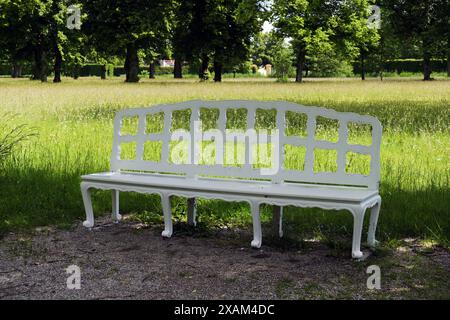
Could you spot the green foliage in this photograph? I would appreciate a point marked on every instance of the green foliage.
(319, 27)
(226, 34)
(130, 21)
(425, 23)
(110, 70)
(222, 30)
(282, 63)
(329, 65)
(264, 47)
(5, 69)
(139, 28)
(402, 66)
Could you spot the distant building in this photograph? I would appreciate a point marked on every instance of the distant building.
(167, 63)
(265, 70)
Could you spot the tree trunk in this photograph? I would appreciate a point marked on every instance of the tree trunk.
(57, 66)
(448, 63)
(448, 56)
(426, 44)
(299, 66)
(103, 72)
(151, 70)
(426, 66)
(40, 64)
(363, 66)
(76, 71)
(217, 71)
(35, 71)
(16, 70)
(203, 71)
(132, 64)
(381, 62)
(126, 64)
(178, 70)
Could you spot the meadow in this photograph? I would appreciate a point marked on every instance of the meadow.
(39, 180)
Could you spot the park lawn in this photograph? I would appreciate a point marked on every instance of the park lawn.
(39, 182)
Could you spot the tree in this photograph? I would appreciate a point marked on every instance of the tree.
(115, 27)
(181, 35)
(282, 61)
(37, 28)
(233, 25)
(426, 21)
(220, 30)
(198, 35)
(63, 42)
(303, 23)
(351, 33)
(26, 30)
(13, 35)
(264, 47)
(316, 26)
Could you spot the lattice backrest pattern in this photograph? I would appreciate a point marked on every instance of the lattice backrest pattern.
(307, 144)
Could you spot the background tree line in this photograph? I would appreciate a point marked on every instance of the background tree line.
(221, 35)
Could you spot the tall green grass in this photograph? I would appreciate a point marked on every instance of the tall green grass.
(39, 181)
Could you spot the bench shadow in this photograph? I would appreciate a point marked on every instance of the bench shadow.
(31, 198)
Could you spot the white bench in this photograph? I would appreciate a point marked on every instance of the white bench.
(279, 186)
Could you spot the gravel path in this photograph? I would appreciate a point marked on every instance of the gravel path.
(128, 261)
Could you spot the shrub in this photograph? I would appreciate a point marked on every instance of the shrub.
(401, 65)
(329, 65)
(110, 70)
(282, 62)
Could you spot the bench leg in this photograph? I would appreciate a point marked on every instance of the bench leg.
(374, 212)
(358, 220)
(257, 235)
(86, 193)
(115, 206)
(192, 212)
(165, 200)
(277, 220)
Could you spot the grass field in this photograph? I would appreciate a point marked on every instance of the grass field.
(39, 182)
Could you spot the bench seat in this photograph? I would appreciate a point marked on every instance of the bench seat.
(240, 188)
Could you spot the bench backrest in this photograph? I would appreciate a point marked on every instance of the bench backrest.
(299, 130)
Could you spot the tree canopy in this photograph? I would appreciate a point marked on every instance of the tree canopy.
(218, 35)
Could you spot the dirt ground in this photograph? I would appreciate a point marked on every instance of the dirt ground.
(132, 261)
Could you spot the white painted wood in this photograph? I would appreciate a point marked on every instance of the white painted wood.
(235, 186)
(86, 193)
(257, 234)
(277, 220)
(167, 211)
(328, 190)
(339, 178)
(115, 206)
(373, 223)
(358, 220)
